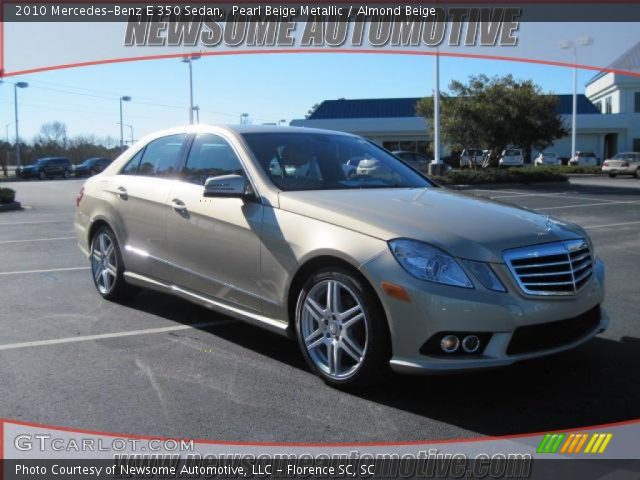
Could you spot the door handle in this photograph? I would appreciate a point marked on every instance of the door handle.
(178, 205)
(122, 192)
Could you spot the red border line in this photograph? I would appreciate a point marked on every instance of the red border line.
(323, 50)
(312, 444)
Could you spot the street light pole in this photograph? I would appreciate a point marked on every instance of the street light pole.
(124, 98)
(190, 60)
(566, 45)
(16, 86)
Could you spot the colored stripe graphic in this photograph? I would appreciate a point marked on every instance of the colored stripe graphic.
(550, 443)
(573, 443)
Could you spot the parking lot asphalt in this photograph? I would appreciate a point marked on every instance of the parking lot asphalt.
(160, 366)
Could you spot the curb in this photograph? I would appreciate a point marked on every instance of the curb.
(6, 207)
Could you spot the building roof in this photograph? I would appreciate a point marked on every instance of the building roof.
(629, 60)
(406, 107)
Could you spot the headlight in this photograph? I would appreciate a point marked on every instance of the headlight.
(429, 263)
(486, 275)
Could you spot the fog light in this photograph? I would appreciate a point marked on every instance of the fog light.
(471, 344)
(449, 343)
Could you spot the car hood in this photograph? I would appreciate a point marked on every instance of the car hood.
(462, 225)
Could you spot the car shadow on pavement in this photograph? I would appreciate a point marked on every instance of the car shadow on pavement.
(593, 384)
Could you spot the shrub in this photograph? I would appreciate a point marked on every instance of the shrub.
(506, 175)
(7, 195)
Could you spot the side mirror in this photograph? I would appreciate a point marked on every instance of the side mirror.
(226, 186)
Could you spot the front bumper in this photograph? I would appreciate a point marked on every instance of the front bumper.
(435, 309)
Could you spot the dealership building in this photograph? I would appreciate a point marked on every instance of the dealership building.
(608, 116)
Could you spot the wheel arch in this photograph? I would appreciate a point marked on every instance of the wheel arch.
(317, 263)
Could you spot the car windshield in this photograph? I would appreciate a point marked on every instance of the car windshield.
(624, 156)
(315, 161)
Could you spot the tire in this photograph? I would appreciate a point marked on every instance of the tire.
(612, 175)
(42, 175)
(360, 340)
(111, 285)
(637, 173)
(66, 174)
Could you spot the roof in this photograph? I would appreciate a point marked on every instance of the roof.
(629, 60)
(406, 107)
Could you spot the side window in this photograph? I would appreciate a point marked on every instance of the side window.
(210, 156)
(160, 157)
(131, 168)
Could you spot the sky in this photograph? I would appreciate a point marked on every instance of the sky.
(267, 87)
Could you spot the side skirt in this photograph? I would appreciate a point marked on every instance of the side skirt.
(277, 326)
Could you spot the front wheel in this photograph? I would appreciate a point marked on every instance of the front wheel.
(107, 267)
(341, 329)
(66, 174)
(42, 175)
(612, 175)
(637, 173)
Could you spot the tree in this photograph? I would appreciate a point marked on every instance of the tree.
(312, 110)
(495, 113)
(53, 133)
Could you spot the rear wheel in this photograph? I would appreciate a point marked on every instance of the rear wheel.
(107, 267)
(66, 174)
(42, 175)
(342, 329)
(637, 173)
(612, 175)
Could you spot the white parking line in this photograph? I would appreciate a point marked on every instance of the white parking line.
(35, 222)
(553, 195)
(49, 270)
(612, 225)
(610, 202)
(36, 240)
(86, 338)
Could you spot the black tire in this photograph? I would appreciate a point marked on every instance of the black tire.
(637, 173)
(374, 363)
(66, 174)
(612, 175)
(42, 175)
(120, 289)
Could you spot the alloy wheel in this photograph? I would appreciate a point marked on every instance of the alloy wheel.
(334, 329)
(104, 263)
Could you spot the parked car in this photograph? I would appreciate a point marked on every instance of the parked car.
(585, 159)
(47, 167)
(471, 157)
(90, 167)
(627, 163)
(547, 159)
(511, 157)
(377, 271)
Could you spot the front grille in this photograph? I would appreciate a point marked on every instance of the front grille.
(536, 338)
(561, 268)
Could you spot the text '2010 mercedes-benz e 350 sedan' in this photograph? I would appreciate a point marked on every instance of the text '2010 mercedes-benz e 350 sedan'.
(368, 270)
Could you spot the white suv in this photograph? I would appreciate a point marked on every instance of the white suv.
(511, 158)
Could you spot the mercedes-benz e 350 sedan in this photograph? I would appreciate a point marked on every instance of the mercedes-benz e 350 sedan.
(367, 271)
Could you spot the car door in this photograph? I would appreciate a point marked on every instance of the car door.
(49, 167)
(138, 195)
(215, 242)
